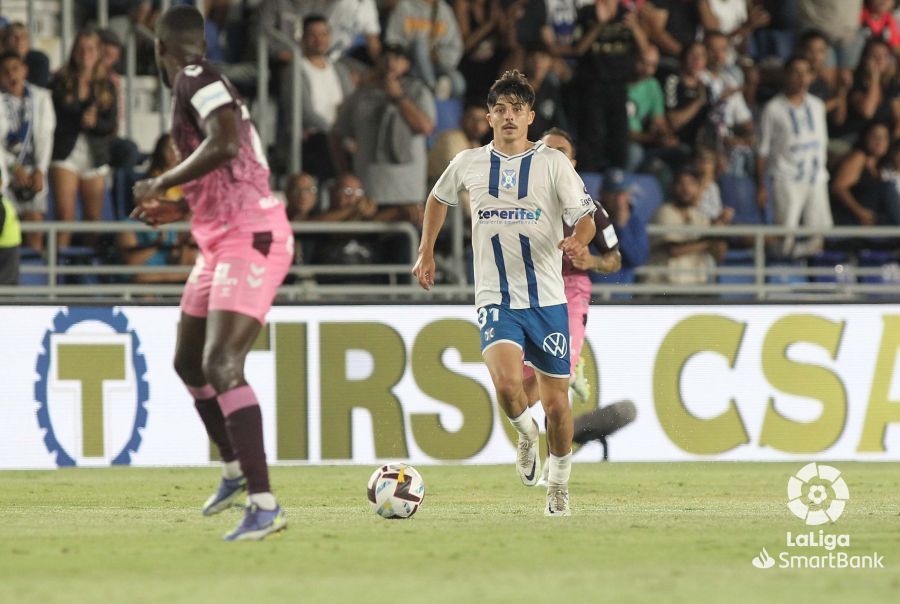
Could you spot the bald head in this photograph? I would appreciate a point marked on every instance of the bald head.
(181, 25)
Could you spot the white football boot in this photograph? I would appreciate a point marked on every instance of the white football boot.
(557, 501)
(528, 462)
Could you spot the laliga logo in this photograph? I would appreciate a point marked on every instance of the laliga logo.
(809, 498)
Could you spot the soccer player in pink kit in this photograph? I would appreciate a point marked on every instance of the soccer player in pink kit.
(246, 247)
(575, 275)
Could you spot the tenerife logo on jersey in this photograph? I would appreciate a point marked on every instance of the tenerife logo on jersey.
(515, 215)
(508, 178)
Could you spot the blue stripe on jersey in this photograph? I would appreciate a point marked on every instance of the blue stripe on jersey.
(794, 123)
(501, 268)
(815, 170)
(494, 180)
(530, 276)
(524, 167)
(809, 119)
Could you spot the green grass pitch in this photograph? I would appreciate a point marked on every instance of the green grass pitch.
(656, 533)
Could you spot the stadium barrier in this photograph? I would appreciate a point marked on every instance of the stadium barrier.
(93, 386)
(873, 274)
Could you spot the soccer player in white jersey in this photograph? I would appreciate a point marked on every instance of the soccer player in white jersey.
(792, 152)
(521, 194)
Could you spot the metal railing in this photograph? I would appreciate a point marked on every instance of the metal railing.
(764, 279)
(295, 159)
(304, 288)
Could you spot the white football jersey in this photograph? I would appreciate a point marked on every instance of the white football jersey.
(795, 139)
(519, 204)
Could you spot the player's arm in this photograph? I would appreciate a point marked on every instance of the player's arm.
(435, 214)
(576, 243)
(220, 145)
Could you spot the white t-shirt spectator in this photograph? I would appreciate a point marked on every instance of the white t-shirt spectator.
(326, 94)
(795, 139)
(351, 20)
(731, 14)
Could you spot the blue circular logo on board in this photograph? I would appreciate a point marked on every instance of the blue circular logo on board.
(91, 357)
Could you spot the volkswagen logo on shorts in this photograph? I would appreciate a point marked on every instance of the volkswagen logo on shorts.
(556, 344)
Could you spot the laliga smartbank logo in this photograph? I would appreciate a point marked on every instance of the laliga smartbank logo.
(817, 494)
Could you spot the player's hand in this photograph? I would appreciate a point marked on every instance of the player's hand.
(148, 188)
(21, 177)
(583, 260)
(424, 270)
(89, 117)
(37, 181)
(155, 212)
(572, 247)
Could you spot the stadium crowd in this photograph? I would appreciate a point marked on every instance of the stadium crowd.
(682, 112)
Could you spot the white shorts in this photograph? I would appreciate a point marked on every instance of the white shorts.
(80, 161)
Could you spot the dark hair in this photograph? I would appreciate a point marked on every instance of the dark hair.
(512, 84)
(312, 20)
(556, 131)
(794, 59)
(101, 87)
(682, 59)
(713, 34)
(809, 35)
(180, 20)
(6, 56)
(688, 171)
(158, 159)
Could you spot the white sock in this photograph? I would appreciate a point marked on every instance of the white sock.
(265, 501)
(524, 424)
(231, 469)
(560, 469)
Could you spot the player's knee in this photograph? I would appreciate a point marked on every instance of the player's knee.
(188, 370)
(223, 371)
(508, 388)
(557, 409)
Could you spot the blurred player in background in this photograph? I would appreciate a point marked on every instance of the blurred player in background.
(521, 194)
(246, 247)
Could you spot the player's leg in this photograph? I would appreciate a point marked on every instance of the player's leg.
(64, 182)
(817, 214)
(578, 297)
(229, 337)
(555, 399)
(189, 367)
(789, 202)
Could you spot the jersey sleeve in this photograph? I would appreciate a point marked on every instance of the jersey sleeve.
(766, 128)
(202, 92)
(573, 196)
(446, 190)
(605, 238)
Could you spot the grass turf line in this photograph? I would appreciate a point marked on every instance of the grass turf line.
(639, 533)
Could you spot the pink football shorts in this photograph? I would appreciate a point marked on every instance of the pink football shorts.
(578, 301)
(240, 271)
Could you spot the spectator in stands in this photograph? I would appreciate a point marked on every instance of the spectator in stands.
(839, 20)
(874, 95)
(735, 19)
(792, 153)
(28, 144)
(483, 25)
(878, 22)
(730, 128)
(648, 128)
(634, 244)
(472, 128)
(352, 21)
(608, 49)
(687, 258)
(687, 98)
(86, 113)
(710, 196)
(671, 25)
(427, 29)
(859, 195)
(325, 86)
(548, 102)
(891, 175)
(17, 39)
(347, 202)
(385, 123)
(229, 43)
(10, 240)
(301, 196)
(830, 85)
(158, 248)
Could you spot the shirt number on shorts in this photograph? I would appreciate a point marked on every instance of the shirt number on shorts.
(483, 315)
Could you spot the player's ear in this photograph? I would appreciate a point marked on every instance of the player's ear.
(530, 117)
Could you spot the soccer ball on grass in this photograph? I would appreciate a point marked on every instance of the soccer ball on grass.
(395, 491)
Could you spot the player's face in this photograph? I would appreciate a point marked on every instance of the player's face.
(717, 51)
(555, 141)
(87, 52)
(799, 76)
(816, 52)
(687, 190)
(317, 39)
(510, 119)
